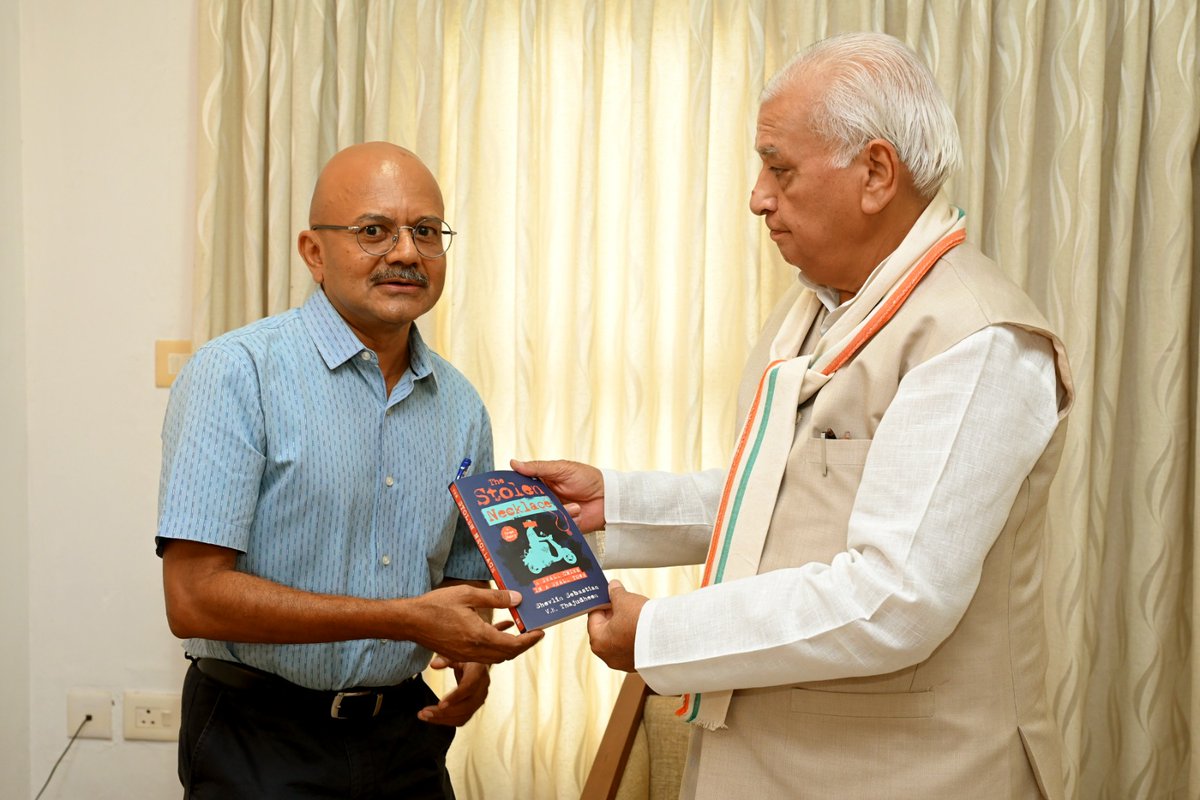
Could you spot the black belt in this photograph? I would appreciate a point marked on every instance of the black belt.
(356, 703)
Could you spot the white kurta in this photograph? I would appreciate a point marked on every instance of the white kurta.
(947, 460)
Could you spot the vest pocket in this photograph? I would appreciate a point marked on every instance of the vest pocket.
(837, 456)
(895, 705)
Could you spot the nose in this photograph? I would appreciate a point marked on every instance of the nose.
(405, 251)
(762, 196)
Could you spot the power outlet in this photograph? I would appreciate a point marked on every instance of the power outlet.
(96, 702)
(152, 715)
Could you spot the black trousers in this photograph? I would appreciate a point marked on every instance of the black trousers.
(241, 743)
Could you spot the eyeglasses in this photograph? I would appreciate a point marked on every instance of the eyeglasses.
(431, 236)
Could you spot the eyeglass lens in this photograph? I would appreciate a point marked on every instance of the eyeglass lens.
(430, 235)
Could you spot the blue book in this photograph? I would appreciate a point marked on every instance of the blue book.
(531, 545)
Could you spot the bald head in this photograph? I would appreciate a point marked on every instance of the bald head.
(357, 172)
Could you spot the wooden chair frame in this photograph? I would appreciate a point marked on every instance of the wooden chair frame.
(605, 775)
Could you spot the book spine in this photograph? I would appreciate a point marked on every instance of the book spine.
(484, 550)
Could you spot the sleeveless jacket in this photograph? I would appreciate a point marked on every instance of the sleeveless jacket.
(972, 720)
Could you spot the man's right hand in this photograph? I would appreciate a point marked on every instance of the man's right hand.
(575, 483)
(207, 597)
(446, 622)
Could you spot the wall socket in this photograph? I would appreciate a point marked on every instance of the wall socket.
(152, 715)
(98, 703)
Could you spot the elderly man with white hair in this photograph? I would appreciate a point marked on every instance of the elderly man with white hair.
(870, 624)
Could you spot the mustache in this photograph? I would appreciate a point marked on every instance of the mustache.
(400, 274)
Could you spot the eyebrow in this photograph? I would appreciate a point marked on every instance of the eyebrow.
(767, 151)
(372, 217)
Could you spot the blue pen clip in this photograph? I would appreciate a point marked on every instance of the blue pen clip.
(462, 468)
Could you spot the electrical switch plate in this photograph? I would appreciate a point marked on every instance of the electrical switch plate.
(98, 703)
(152, 715)
(169, 357)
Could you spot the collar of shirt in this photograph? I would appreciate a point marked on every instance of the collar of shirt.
(830, 297)
(337, 344)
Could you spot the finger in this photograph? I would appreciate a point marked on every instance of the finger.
(524, 641)
(445, 715)
(502, 647)
(443, 662)
(455, 695)
(595, 624)
(459, 704)
(503, 625)
(546, 470)
(450, 719)
(495, 598)
(574, 509)
(527, 468)
(474, 678)
(615, 588)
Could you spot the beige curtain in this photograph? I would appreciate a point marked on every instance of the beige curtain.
(609, 279)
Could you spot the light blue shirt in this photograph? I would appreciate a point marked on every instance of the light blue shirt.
(280, 442)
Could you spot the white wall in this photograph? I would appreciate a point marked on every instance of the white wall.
(14, 534)
(107, 159)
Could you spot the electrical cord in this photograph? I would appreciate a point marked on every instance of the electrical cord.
(87, 718)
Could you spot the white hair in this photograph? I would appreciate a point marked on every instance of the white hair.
(878, 89)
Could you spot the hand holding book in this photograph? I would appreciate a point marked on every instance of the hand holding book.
(579, 486)
(531, 545)
(612, 631)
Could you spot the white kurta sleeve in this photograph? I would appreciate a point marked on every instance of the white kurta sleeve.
(659, 519)
(923, 521)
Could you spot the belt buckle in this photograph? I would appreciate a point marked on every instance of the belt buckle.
(336, 707)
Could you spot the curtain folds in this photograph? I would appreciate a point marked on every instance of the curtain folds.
(597, 157)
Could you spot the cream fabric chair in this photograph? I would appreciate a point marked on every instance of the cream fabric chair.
(642, 753)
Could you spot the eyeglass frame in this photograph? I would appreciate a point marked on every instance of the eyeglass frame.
(446, 229)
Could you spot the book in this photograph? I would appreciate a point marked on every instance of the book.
(531, 545)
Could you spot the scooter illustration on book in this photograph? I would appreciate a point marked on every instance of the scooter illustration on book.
(543, 550)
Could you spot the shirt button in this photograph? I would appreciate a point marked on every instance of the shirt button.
(386, 560)
(365, 356)
(389, 480)
(388, 413)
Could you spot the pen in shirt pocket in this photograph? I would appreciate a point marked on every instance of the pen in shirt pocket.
(462, 468)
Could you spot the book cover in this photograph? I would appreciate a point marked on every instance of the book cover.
(531, 545)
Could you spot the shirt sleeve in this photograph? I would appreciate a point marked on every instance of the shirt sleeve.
(213, 452)
(923, 521)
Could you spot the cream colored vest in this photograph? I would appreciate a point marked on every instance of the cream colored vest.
(972, 720)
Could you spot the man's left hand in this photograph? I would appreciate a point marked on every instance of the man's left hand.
(613, 630)
(461, 704)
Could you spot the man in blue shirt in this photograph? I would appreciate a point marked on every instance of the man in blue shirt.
(312, 556)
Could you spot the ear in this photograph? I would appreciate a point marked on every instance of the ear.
(310, 251)
(883, 175)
